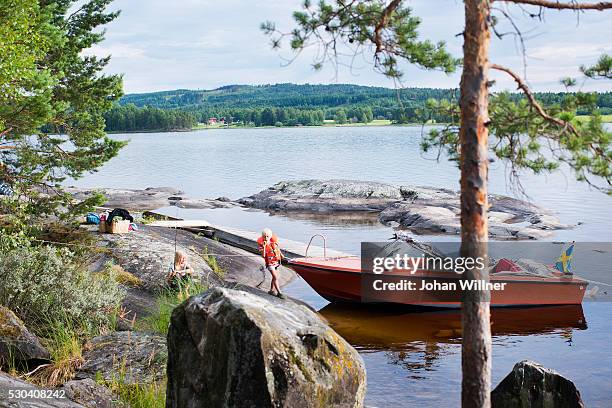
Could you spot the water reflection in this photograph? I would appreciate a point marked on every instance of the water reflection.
(417, 340)
(338, 219)
(372, 328)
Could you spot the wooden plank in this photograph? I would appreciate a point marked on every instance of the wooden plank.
(247, 240)
(180, 223)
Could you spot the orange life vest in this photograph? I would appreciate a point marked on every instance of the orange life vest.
(270, 251)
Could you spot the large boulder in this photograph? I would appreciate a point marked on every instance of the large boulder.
(55, 400)
(244, 348)
(136, 358)
(420, 209)
(531, 385)
(16, 341)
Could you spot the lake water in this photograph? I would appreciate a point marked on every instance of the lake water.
(412, 359)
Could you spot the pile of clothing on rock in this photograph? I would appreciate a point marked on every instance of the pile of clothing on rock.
(109, 221)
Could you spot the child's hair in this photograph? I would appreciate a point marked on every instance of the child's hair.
(178, 255)
(267, 232)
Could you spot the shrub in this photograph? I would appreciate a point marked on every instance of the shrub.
(43, 284)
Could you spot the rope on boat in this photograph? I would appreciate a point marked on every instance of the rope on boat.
(596, 282)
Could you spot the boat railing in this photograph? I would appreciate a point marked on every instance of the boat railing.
(324, 245)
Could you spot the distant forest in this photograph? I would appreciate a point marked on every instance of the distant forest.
(285, 105)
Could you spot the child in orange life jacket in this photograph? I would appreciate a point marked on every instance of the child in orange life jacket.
(268, 245)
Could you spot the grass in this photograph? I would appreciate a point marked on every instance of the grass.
(165, 302)
(136, 395)
(159, 320)
(207, 126)
(120, 275)
(64, 343)
(375, 122)
(604, 118)
(140, 395)
(147, 219)
(212, 262)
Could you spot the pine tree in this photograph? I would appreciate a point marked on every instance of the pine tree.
(390, 29)
(52, 106)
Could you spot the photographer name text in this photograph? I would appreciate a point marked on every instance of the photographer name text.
(434, 285)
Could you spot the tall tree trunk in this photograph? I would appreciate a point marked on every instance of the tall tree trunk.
(476, 347)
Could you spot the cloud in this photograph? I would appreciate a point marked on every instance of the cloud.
(116, 50)
(204, 44)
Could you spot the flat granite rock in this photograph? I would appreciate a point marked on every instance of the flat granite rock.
(420, 209)
(149, 198)
(10, 383)
(139, 358)
(91, 394)
(148, 255)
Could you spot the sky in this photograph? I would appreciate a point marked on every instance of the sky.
(204, 44)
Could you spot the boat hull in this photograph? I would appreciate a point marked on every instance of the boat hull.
(343, 281)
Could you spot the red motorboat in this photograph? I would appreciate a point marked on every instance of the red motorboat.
(511, 283)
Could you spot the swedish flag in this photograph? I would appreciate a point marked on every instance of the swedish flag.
(564, 263)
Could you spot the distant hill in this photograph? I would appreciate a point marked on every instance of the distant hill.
(304, 96)
(284, 95)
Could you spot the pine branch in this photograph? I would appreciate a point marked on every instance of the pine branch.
(6, 131)
(522, 85)
(573, 5)
(382, 23)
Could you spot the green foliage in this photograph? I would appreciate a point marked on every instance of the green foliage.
(602, 69)
(304, 96)
(307, 105)
(212, 262)
(340, 27)
(43, 284)
(526, 140)
(568, 82)
(25, 37)
(52, 101)
(340, 117)
(138, 395)
(165, 302)
(131, 118)
(63, 339)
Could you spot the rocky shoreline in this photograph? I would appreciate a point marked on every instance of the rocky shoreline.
(139, 357)
(149, 198)
(422, 210)
(299, 355)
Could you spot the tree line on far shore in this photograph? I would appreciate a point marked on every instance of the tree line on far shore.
(292, 105)
(132, 118)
